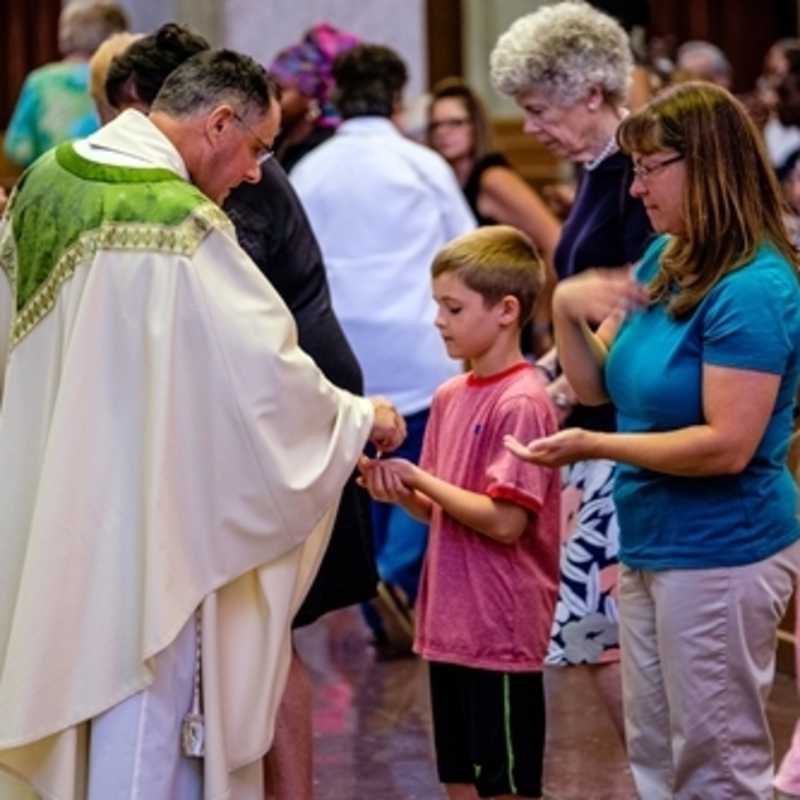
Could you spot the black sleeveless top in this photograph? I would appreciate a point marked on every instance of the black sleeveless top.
(472, 188)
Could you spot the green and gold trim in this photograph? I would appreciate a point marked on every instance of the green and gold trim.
(178, 240)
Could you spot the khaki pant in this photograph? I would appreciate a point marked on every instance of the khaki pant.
(698, 659)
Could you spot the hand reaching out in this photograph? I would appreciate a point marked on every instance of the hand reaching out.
(564, 447)
(388, 427)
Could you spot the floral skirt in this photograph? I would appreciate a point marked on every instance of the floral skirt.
(585, 628)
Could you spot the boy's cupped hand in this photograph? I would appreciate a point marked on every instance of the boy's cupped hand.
(388, 480)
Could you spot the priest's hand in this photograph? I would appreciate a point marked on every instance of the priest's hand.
(388, 427)
(3, 199)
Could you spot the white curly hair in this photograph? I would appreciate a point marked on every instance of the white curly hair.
(563, 50)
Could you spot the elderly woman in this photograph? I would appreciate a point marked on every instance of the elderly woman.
(703, 369)
(568, 66)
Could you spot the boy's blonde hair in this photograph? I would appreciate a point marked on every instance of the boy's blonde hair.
(495, 261)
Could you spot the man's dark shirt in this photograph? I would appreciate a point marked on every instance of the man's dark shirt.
(273, 229)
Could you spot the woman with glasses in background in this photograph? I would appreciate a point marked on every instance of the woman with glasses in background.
(460, 131)
(700, 354)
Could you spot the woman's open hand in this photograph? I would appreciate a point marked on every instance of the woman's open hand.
(564, 447)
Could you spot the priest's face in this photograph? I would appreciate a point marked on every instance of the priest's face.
(236, 150)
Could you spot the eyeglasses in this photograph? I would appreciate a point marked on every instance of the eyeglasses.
(643, 172)
(265, 152)
(448, 124)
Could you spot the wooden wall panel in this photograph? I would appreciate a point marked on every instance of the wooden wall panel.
(28, 39)
(744, 29)
(444, 20)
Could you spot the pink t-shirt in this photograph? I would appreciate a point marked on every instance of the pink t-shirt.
(482, 603)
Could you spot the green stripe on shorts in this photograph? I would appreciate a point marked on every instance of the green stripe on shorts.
(507, 725)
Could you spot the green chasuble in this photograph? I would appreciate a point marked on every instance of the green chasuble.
(59, 221)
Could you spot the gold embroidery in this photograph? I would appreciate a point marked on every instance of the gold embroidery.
(8, 254)
(181, 240)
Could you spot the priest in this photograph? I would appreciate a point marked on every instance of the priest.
(170, 459)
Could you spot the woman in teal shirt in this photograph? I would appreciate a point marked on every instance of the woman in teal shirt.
(700, 353)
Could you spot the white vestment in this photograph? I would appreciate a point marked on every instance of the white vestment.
(164, 444)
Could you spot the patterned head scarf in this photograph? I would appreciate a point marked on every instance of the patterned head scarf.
(307, 67)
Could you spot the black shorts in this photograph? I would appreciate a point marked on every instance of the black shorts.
(488, 728)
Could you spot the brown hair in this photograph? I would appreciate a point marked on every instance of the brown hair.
(731, 202)
(473, 105)
(495, 261)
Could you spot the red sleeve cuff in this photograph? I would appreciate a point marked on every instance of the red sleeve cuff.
(515, 496)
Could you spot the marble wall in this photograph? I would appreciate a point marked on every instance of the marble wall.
(261, 28)
(484, 22)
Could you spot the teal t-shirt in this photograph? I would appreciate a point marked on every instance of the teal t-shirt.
(54, 106)
(749, 320)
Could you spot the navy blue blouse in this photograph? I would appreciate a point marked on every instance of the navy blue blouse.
(605, 228)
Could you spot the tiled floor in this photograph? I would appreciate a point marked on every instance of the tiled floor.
(371, 722)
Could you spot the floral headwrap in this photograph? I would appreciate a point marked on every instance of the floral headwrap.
(307, 66)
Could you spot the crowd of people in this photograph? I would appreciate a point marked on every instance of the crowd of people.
(264, 356)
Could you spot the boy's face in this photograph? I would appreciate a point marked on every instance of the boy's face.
(469, 327)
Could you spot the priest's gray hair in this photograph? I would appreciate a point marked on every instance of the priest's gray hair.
(213, 77)
(563, 51)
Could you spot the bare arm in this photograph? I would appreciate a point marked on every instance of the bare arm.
(737, 406)
(400, 481)
(417, 505)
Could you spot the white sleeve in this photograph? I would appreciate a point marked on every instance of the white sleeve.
(305, 433)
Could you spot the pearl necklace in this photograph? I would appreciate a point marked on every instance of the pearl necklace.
(610, 147)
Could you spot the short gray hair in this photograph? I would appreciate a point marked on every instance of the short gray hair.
(213, 77)
(712, 60)
(564, 50)
(85, 24)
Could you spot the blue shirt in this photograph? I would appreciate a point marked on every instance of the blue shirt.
(750, 320)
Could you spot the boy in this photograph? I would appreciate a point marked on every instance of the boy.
(491, 569)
